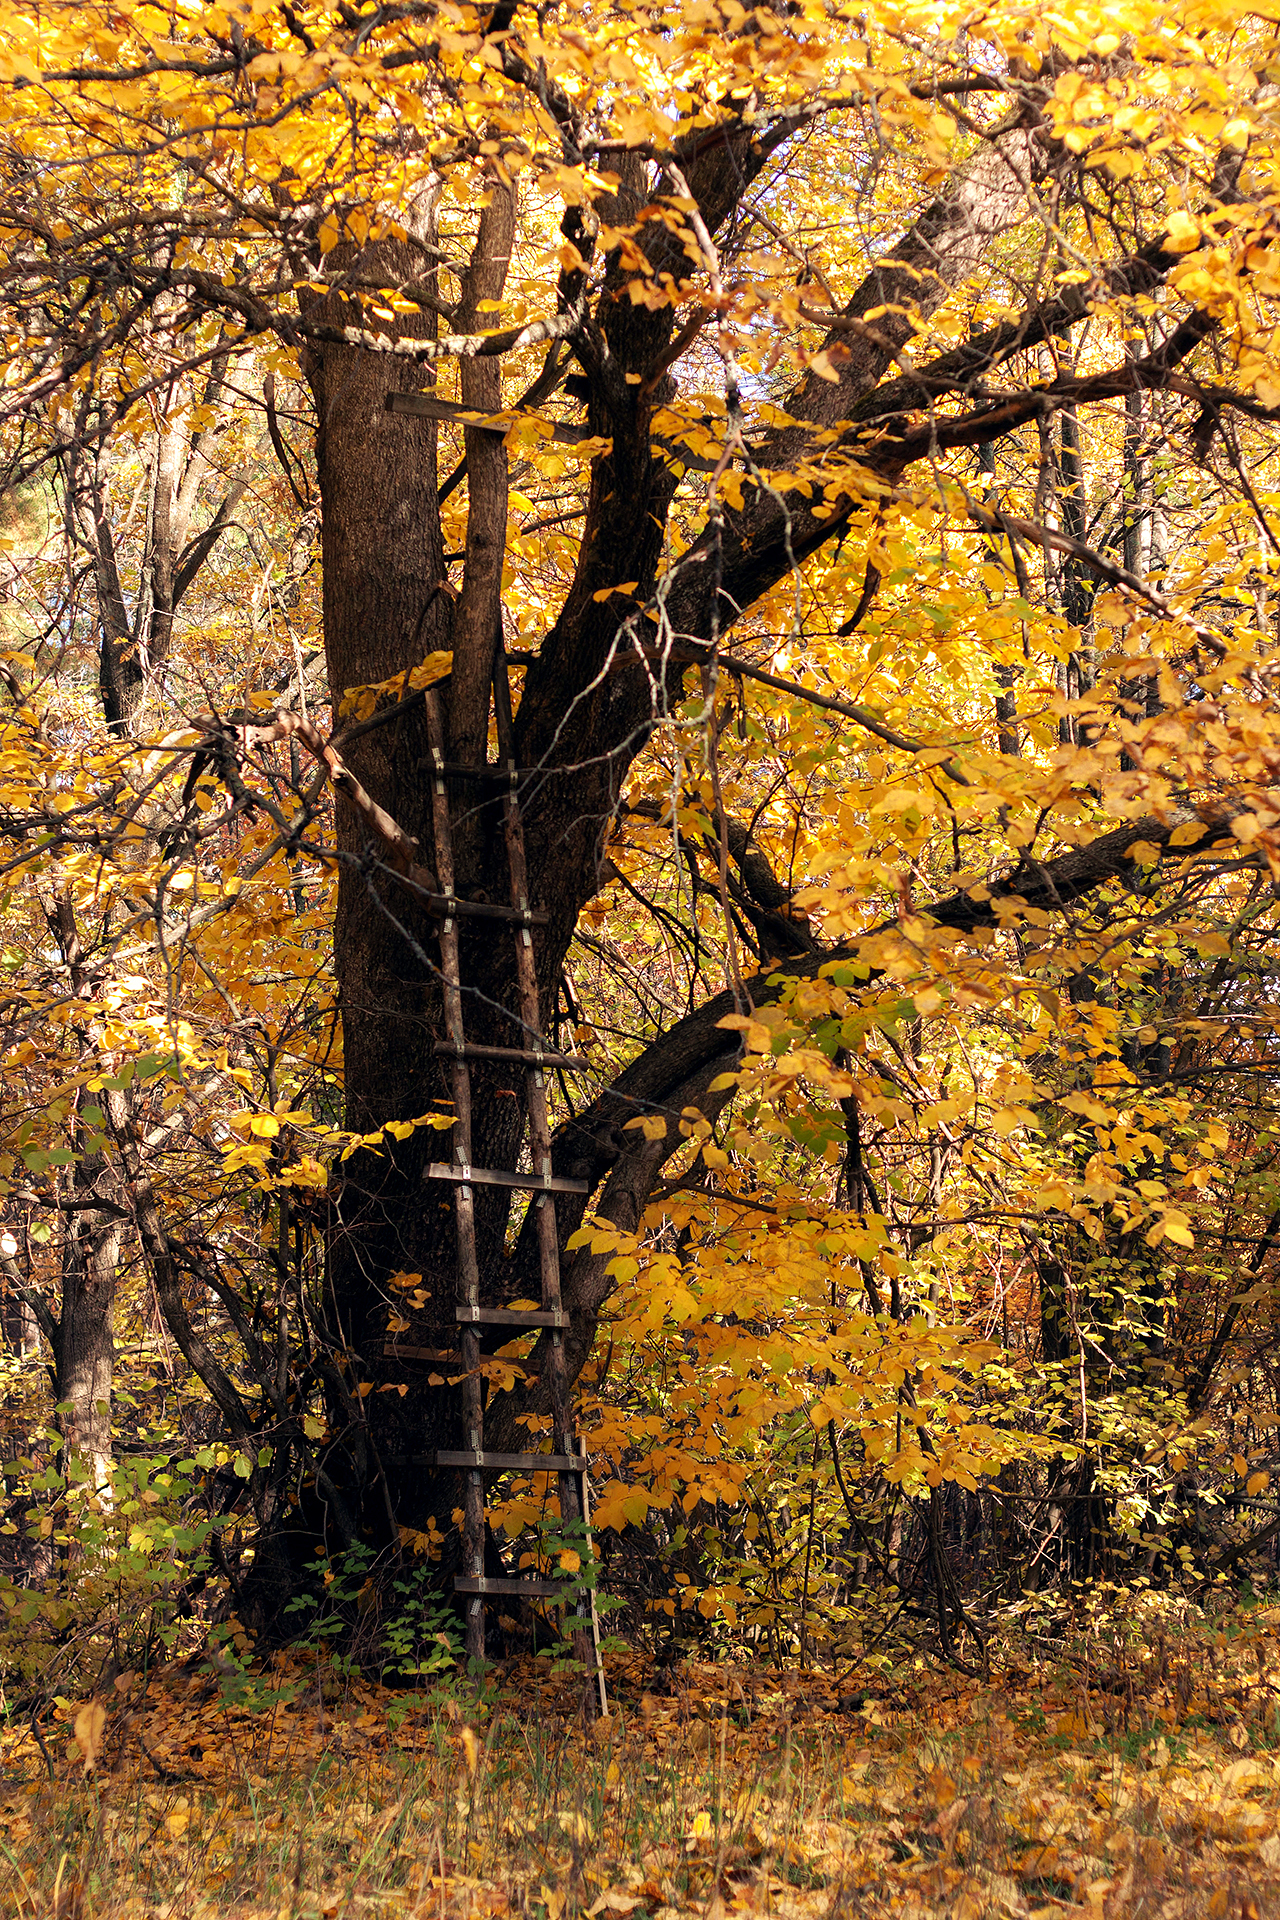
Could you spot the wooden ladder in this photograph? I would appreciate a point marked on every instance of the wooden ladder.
(564, 1459)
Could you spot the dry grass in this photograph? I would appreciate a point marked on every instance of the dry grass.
(733, 1790)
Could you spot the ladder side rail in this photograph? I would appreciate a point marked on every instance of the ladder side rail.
(464, 1197)
(595, 1612)
(571, 1483)
(535, 1081)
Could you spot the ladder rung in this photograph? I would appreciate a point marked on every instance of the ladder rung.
(512, 1316)
(516, 1462)
(390, 1351)
(449, 905)
(491, 1177)
(525, 1056)
(499, 1462)
(491, 771)
(481, 1583)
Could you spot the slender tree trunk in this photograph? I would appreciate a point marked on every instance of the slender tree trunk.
(18, 1326)
(1006, 673)
(83, 1337)
(84, 1351)
(166, 532)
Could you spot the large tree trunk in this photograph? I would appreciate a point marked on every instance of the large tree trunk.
(386, 606)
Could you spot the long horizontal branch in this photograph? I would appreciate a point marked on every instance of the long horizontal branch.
(447, 346)
(1001, 416)
(1096, 563)
(690, 653)
(590, 1143)
(980, 355)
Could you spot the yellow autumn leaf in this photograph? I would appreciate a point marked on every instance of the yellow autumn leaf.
(1178, 1229)
(436, 667)
(1182, 233)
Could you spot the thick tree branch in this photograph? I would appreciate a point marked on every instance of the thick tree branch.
(1002, 416)
(968, 365)
(198, 550)
(589, 1144)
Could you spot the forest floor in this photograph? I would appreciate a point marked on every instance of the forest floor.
(1139, 1774)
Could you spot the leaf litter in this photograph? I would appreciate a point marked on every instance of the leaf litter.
(710, 1790)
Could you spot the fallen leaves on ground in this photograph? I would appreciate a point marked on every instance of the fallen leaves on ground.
(710, 1789)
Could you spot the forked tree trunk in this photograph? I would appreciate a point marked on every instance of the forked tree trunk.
(386, 605)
